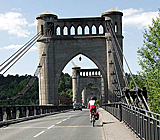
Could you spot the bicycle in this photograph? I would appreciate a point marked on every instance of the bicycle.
(93, 117)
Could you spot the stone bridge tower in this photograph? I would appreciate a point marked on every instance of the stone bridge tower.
(81, 78)
(63, 39)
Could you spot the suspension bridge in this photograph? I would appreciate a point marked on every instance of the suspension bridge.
(59, 41)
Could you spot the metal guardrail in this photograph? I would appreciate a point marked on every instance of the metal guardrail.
(145, 124)
(8, 113)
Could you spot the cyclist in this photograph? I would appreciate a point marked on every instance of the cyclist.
(92, 105)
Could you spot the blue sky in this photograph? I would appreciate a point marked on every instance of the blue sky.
(18, 25)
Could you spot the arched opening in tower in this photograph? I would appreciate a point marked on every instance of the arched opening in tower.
(65, 87)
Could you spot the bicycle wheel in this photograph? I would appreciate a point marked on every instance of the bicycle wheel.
(93, 121)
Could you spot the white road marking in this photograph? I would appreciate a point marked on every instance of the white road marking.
(70, 117)
(39, 134)
(80, 126)
(59, 122)
(50, 127)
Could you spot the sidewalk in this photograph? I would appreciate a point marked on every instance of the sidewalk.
(114, 129)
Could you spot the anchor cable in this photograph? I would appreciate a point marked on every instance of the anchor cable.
(32, 80)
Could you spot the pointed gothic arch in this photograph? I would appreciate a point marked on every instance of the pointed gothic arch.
(94, 29)
(101, 29)
(72, 30)
(79, 30)
(86, 30)
(58, 30)
(65, 30)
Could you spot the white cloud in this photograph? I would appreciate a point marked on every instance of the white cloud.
(33, 24)
(33, 48)
(12, 47)
(14, 23)
(131, 11)
(16, 47)
(138, 18)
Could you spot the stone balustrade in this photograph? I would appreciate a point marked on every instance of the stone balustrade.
(90, 72)
(76, 27)
(15, 112)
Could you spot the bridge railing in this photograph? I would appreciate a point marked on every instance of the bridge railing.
(15, 112)
(144, 123)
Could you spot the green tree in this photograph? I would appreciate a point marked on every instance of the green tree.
(138, 79)
(65, 82)
(12, 85)
(65, 85)
(149, 60)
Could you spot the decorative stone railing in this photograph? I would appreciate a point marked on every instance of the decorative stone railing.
(89, 72)
(16, 112)
(75, 27)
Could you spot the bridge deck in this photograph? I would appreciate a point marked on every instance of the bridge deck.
(113, 129)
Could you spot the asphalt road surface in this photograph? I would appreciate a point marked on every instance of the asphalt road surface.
(73, 125)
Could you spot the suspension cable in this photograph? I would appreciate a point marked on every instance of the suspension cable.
(29, 84)
(122, 53)
(115, 71)
(25, 48)
(123, 57)
(20, 49)
(119, 60)
(118, 78)
(117, 54)
(130, 71)
(32, 80)
(19, 55)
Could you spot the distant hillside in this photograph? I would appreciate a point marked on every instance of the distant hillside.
(11, 85)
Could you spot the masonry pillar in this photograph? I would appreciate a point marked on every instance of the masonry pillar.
(110, 67)
(84, 97)
(75, 84)
(103, 97)
(47, 70)
(114, 18)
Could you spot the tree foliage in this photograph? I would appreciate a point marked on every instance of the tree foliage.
(65, 85)
(149, 60)
(12, 85)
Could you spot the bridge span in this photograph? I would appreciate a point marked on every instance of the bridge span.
(71, 125)
(117, 121)
(64, 126)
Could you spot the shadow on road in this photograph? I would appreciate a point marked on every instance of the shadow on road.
(98, 125)
(108, 122)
